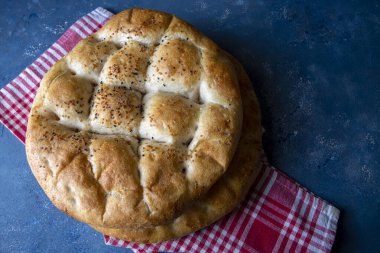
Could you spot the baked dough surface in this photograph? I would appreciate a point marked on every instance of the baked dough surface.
(134, 130)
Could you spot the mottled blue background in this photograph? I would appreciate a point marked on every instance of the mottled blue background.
(316, 70)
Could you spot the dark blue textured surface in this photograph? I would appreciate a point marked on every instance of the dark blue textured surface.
(315, 67)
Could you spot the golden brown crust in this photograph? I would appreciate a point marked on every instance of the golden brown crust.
(226, 194)
(169, 118)
(145, 115)
(116, 110)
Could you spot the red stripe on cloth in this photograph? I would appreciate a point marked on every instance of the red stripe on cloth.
(8, 122)
(14, 116)
(41, 65)
(48, 62)
(284, 178)
(37, 68)
(105, 14)
(20, 104)
(35, 71)
(10, 126)
(202, 240)
(16, 123)
(24, 93)
(271, 201)
(57, 51)
(267, 242)
(176, 246)
(236, 221)
(308, 240)
(47, 59)
(64, 42)
(294, 227)
(60, 50)
(53, 57)
(279, 245)
(91, 23)
(85, 26)
(81, 29)
(96, 23)
(91, 27)
(304, 226)
(29, 86)
(69, 40)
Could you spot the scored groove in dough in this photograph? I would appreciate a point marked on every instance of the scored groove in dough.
(207, 84)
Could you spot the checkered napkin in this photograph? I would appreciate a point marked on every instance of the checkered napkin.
(278, 215)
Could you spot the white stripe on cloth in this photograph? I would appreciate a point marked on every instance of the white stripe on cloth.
(288, 221)
(231, 238)
(120, 243)
(96, 18)
(260, 203)
(21, 88)
(140, 247)
(200, 239)
(22, 119)
(213, 232)
(275, 211)
(186, 244)
(24, 89)
(174, 245)
(38, 69)
(79, 32)
(194, 248)
(103, 13)
(84, 26)
(80, 27)
(307, 227)
(328, 214)
(61, 49)
(264, 176)
(47, 67)
(54, 53)
(91, 22)
(24, 111)
(33, 75)
(31, 83)
(274, 226)
(88, 21)
(14, 125)
(48, 59)
(293, 233)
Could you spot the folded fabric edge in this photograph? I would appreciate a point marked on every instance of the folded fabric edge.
(332, 208)
(103, 11)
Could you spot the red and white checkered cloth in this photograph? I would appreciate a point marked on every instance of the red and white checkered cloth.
(278, 215)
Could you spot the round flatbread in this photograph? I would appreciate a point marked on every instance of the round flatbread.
(138, 125)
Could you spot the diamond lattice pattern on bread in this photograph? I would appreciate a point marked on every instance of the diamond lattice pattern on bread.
(136, 123)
